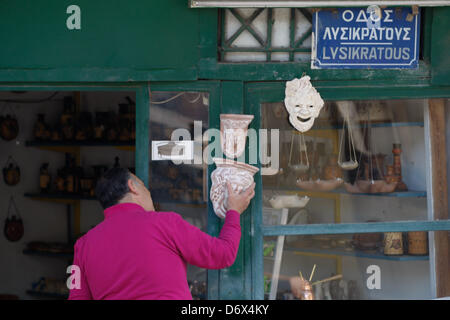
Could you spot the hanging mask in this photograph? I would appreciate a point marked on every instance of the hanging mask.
(303, 103)
(13, 223)
(11, 172)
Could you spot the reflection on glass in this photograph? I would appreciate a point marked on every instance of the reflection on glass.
(392, 265)
(175, 186)
(361, 161)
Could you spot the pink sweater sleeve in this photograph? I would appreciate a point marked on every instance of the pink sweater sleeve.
(202, 250)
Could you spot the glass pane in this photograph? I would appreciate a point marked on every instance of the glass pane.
(362, 161)
(177, 174)
(375, 266)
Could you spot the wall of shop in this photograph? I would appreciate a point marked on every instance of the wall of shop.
(117, 41)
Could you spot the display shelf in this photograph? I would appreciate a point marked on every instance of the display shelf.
(356, 253)
(47, 295)
(90, 143)
(338, 126)
(61, 198)
(402, 194)
(70, 146)
(48, 254)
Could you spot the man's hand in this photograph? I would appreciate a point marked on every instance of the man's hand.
(240, 201)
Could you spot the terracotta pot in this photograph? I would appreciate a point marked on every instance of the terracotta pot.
(239, 174)
(233, 133)
(367, 241)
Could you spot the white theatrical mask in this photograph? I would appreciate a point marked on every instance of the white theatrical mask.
(303, 103)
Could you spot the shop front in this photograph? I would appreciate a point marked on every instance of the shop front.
(360, 197)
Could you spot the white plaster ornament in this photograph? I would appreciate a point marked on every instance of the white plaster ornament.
(303, 103)
(233, 133)
(239, 174)
(288, 201)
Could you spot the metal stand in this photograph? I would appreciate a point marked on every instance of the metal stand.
(278, 256)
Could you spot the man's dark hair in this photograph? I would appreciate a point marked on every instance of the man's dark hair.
(112, 187)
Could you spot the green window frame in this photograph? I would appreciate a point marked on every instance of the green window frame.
(258, 93)
(295, 45)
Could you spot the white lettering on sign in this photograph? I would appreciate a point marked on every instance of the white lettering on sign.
(388, 13)
(73, 22)
(359, 33)
(346, 17)
(365, 53)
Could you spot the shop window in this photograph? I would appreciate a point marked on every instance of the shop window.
(282, 34)
(178, 180)
(390, 265)
(362, 161)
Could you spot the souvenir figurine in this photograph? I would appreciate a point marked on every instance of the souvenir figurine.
(100, 126)
(84, 129)
(60, 181)
(67, 121)
(11, 172)
(41, 129)
(44, 179)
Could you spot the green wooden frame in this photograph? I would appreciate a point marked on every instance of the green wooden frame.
(214, 90)
(257, 93)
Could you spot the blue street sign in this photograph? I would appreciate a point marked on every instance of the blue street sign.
(365, 38)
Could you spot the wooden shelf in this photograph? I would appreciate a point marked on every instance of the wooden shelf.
(59, 198)
(47, 295)
(402, 194)
(48, 254)
(357, 253)
(71, 146)
(339, 126)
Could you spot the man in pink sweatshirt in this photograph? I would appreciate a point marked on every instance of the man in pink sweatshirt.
(137, 253)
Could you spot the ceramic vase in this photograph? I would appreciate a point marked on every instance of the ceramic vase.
(233, 133)
(240, 175)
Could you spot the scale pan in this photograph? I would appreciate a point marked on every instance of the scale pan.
(348, 165)
(368, 186)
(299, 167)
